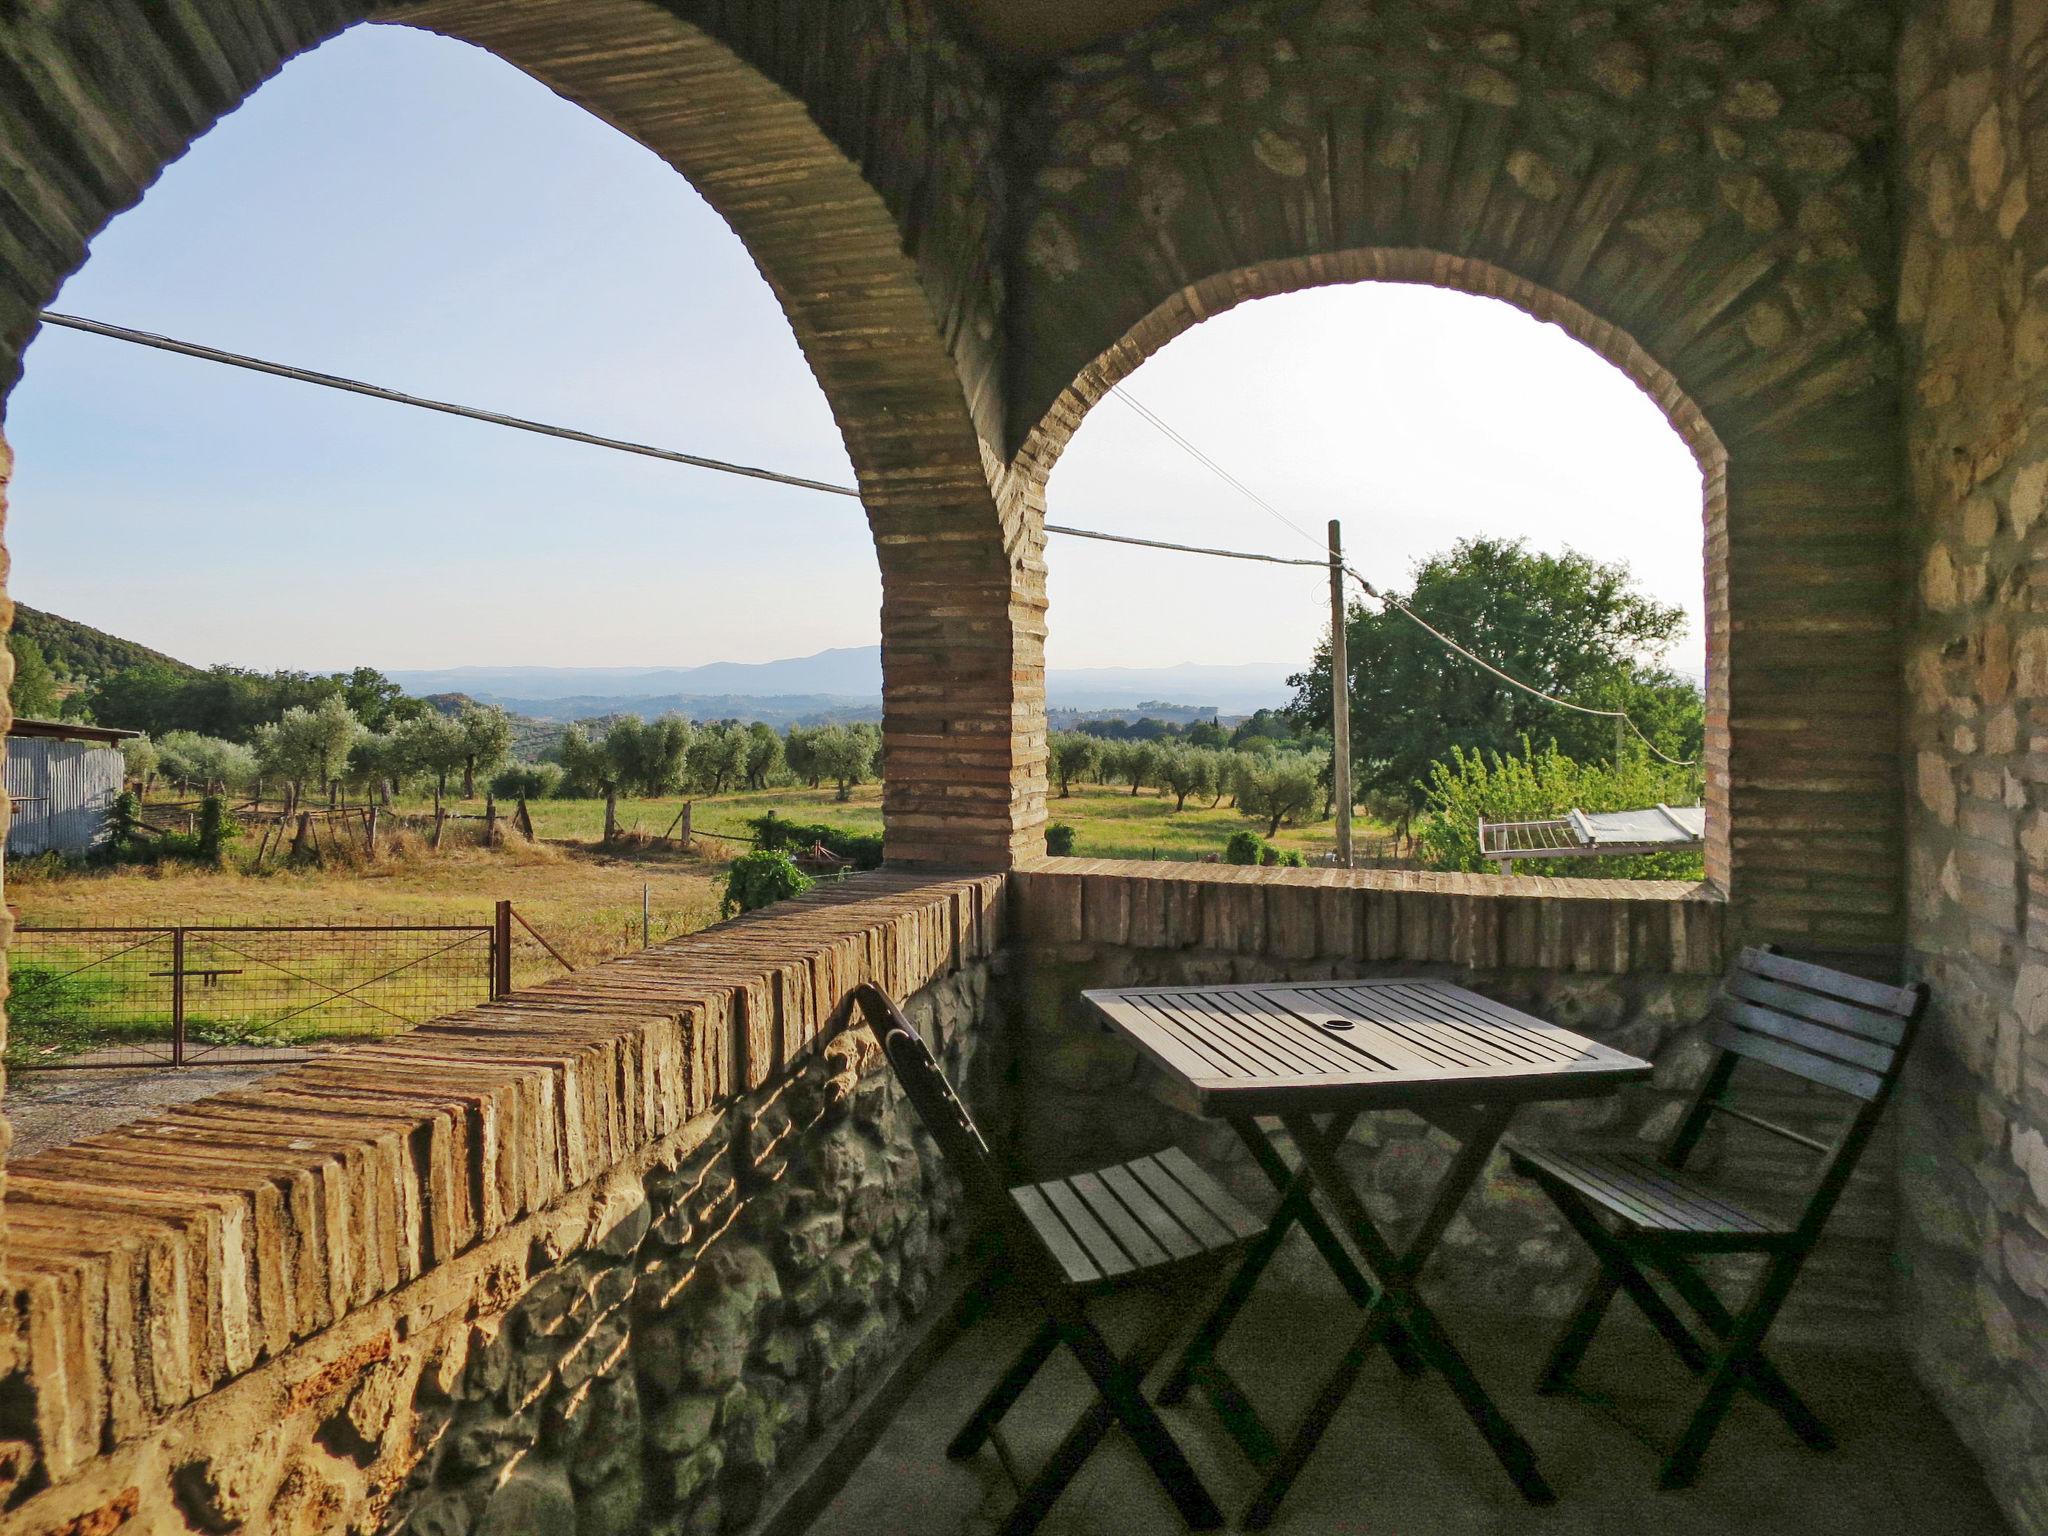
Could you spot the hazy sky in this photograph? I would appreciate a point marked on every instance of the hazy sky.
(408, 210)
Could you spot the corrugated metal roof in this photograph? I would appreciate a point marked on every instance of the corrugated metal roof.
(67, 730)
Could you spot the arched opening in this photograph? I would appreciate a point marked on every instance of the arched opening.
(1191, 305)
(903, 394)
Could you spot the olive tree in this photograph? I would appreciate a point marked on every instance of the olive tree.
(487, 731)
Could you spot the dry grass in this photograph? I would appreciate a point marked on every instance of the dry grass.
(586, 902)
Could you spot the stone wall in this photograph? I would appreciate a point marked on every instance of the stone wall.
(1699, 191)
(1631, 963)
(1974, 313)
(598, 1259)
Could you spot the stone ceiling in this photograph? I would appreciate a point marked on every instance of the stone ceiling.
(1037, 33)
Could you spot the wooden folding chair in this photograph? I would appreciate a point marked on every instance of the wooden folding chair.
(1148, 1222)
(1836, 1031)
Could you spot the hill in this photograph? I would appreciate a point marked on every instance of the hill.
(84, 654)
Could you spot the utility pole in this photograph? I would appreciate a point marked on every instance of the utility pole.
(1340, 696)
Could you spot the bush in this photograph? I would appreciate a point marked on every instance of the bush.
(216, 826)
(1244, 847)
(526, 781)
(1292, 859)
(1059, 839)
(1535, 786)
(773, 834)
(761, 878)
(1268, 854)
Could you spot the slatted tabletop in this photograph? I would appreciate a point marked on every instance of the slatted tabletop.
(1269, 1048)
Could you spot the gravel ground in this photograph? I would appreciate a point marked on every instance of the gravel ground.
(54, 1108)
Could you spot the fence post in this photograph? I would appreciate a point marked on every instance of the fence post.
(501, 952)
(177, 997)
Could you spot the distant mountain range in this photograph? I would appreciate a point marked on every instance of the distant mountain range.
(839, 683)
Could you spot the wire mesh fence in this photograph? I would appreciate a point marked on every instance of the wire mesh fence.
(227, 993)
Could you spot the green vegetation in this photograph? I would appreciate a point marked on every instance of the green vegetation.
(84, 654)
(777, 835)
(1573, 626)
(34, 693)
(1059, 839)
(761, 878)
(1532, 784)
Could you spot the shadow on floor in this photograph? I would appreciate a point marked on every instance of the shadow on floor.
(1402, 1460)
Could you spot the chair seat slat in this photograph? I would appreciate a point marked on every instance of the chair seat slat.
(1061, 1243)
(1649, 1196)
(1091, 1234)
(1218, 1201)
(1817, 1038)
(1190, 1212)
(1158, 1220)
(1131, 1234)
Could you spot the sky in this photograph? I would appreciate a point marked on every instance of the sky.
(409, 210)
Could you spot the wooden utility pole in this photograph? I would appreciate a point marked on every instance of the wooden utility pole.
(1340, 696)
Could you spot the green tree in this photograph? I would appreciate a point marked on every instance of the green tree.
(1283, 787)
(1071, 755)
(765, 755)
(1184, 771)
(846, 755)
(488, 733)
(717, 759)
(206, 762)
(139, 761)
(1570, 625)
(434, 744)
(1140, 761)
(34, 694)
(309, 746)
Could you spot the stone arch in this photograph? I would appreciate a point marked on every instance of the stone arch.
(881, 274)
(1702, 197)
(1197, 302)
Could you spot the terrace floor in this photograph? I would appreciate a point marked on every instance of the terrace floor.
(1401, 1460)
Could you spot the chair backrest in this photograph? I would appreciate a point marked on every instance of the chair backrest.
(932, 1096)
(1834, 1030)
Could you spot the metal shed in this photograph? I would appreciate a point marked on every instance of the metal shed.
(62, 779)
(1583, 835)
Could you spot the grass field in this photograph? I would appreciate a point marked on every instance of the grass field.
(1108, 823)
(81, 993)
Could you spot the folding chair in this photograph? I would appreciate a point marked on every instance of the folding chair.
(1836, 1031)
(1142, 1223)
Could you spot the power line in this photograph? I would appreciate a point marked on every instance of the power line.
(567, 434)
(752, 472)
(1180, 441)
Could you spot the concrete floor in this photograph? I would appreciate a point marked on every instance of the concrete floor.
(54, 1107)
(1402, 1460)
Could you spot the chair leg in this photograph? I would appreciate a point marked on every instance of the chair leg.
(1117, 1382)
(1618, 1269)
(1737, 1357)
(1002, 1397)
(1759, 1375)
(1577, 1336)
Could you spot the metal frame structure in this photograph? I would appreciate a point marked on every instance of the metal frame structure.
(1579, 835)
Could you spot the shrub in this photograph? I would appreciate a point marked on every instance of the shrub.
(1292, 859)
(1534, 786)
(1244, 847)
(761, 878)
(215, 828)
(773, 834)
(526, 781)
(1059, 839)
(1268, 854)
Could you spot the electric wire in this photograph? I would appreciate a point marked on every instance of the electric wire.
(252, 364)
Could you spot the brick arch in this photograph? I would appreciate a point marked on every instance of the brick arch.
(96, 100)
(1190, 306)
(1701, 198)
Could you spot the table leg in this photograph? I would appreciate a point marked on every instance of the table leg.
(1399, 1302)
(1197, 1360)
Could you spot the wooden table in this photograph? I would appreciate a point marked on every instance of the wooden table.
(1318, 1055)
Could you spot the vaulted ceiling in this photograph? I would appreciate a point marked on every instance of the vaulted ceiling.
(1040, 31)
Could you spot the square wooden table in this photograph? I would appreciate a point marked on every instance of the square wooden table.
(1318, 1055)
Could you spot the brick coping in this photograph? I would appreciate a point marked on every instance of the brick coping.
(1546, 887)
(156, 1263)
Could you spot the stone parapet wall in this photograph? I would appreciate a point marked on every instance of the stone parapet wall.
(608, 1252)
(1633, 964)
